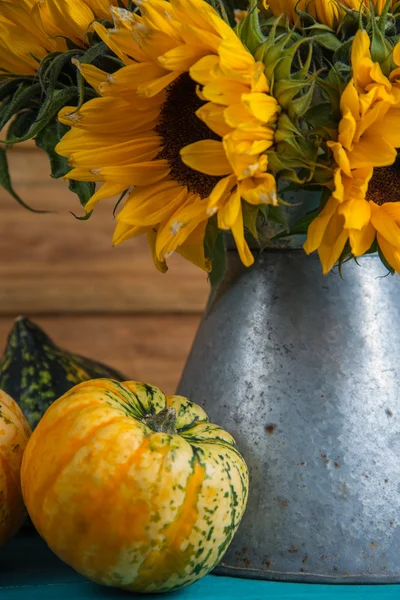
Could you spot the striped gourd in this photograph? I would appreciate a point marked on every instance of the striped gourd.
(35, 371)
(14, 435)
(132, 488)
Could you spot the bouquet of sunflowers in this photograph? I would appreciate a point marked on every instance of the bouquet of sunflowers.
(267, 120)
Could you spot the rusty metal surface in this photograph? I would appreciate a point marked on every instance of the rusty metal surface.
(304, 371)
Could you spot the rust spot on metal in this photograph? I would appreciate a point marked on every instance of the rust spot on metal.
(323, 557)
(323, 455)
(246, 563)
(284, 503)
(334, 555)
(391, 523)
(337, 465)
(389, 412)
(301, 570)
(301, 464)
(267, 563)
(305, 559)
(372, 544)
(270, 428)
(244, 550)
(335, 569)
(283, 443)
(293, 550)
(322, 395)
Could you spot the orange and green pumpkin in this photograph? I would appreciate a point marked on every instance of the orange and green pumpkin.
(14, 435)
(132, 488)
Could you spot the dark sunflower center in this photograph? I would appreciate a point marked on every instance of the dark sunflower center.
(385, 184)
(178, 126)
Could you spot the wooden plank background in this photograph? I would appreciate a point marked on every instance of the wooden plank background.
(107, 303)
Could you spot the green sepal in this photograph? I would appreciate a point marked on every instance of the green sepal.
(47, 139)
(249, 31)
(20, 124)
(5, 182)
(21, 100)
(60, 99)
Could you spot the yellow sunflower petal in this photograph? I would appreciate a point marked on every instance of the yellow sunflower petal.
(206, 156)
(123, 232)
(224, 92)
(341, 157)
(153, 204)
(391, 253)
(121, 43)
(155, 86)
(356, 213)
(219, 193)
(69, 19)
(361, 239)
(237, 114)
(317, 228)
(107, 190)
(213, 117)
(350, 100)
(238, 233)
(372, 150)
(262, 106)
(333, 242)
(182, 57)
(392, 209)
(388, 127)
(202, 70)
(179, 227)
(160, 265)
(347, 129)
(259, 190)
(229, 213)
(193, 248)
(385, 225)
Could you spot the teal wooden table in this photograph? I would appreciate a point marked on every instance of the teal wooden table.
(30, 571)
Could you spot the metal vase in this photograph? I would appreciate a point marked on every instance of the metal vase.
(304, 371)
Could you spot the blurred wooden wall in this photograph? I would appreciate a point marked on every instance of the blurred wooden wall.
(107, 303)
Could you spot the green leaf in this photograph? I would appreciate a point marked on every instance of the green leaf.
(5, 182)
(250, 216)
(84, 190)
(301, 226)
(218, 261)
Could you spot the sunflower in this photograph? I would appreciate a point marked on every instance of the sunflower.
(364, 205)
(184, 126)
(328, 12)
(31, 29)
(71, 18)
(23, 42)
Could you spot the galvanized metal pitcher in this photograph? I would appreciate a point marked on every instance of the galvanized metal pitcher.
(304, 371)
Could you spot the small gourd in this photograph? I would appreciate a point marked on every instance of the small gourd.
(35, 371)
(14, 435)
(132, 488)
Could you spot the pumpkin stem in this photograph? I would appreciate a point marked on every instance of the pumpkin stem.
(164, 421)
